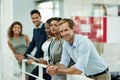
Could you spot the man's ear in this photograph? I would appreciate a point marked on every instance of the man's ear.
(73, 29)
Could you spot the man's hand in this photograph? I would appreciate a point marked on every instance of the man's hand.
(52, 70)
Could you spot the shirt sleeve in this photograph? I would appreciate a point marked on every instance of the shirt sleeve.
(83, 56)
(31, 46)
(65, 56)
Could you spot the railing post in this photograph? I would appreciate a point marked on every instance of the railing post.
(40, 72)
(23, 69)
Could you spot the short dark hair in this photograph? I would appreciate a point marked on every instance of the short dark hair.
(53, 18)
(49, 20)
(56, 18)
(35, 11)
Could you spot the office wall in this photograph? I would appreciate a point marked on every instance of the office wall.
(6, 19)
(12, 10)
(83, 7)
(113, 29)
(21, 12)
(112, 56)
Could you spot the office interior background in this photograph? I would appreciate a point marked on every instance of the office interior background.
(19, 10)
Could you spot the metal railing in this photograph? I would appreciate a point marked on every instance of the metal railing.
(39, 77)
(4, 75)
(41, 66)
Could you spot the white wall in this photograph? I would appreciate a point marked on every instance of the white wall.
(6, 19)
(83, 7)
(113, 29)
(112, 55)
(12, 10)
(21, 13)
(79, 7)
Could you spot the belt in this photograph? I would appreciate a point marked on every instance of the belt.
(98, 74)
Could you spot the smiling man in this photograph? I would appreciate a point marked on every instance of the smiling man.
(83, 53)
(39, 37)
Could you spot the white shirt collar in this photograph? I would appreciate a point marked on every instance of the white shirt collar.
(39, 25)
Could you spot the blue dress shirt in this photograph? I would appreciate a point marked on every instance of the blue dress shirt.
(84, 54)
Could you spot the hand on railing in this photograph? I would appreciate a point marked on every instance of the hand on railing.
(30, 61)
(19, 57)
(42, 61)
(51, 70)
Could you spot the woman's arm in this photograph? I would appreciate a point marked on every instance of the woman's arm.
(27, 39)
(12, 49)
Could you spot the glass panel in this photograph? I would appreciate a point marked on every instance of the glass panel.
(49, 9)
(46, 13)
(56, 13)
(56, 4)
(46, 5)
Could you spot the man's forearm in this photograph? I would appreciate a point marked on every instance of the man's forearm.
(71, 70)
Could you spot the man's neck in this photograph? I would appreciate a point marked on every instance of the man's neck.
(39, 25)
(71, 41)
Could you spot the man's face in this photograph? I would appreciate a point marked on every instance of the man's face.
(66, 32)
(36, 19)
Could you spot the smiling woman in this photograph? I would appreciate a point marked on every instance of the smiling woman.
(18, 43)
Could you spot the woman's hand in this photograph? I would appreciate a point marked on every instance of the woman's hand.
(30, 61)
(42, 61)
(19, 57)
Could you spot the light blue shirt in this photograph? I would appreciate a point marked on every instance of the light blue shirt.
(84, 54)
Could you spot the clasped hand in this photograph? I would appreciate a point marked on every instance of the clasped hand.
(52, 70)
(19, 57)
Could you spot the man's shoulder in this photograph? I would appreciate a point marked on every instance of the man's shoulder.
(43, 24)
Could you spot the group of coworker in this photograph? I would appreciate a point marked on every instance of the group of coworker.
(63, 51)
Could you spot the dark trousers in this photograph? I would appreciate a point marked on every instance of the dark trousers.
(35, 72)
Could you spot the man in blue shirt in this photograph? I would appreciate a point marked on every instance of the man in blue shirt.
(83, 53)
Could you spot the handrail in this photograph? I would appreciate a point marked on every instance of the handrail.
(41, 66)
(37, 64)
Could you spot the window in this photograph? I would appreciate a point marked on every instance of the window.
(106, 10)
(49, 9)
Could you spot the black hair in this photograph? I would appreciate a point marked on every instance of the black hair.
(35, 11)
(56, 18)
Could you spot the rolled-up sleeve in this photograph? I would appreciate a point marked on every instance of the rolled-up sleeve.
(65, 56)
(83, 57)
